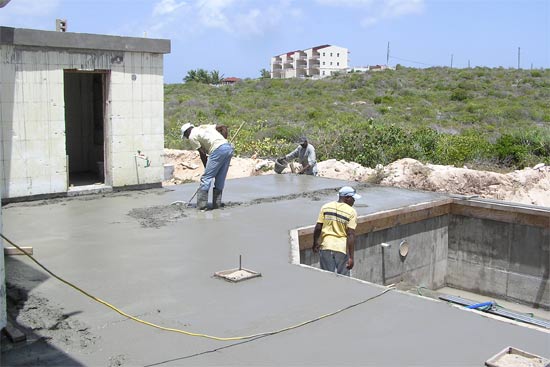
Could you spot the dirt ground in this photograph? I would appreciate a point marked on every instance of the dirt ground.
(528, 186)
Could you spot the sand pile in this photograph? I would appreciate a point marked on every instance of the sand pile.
(528, 186)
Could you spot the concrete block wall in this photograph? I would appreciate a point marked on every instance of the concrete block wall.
(136, 107)
(426, 262)
(33, 117)
(3, 314)
(504, 260)
(32, 120)
(487, 248)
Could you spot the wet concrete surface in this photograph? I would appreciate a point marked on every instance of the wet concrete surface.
(155, 260)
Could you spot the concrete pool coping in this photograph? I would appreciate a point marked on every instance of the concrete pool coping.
(161, 269)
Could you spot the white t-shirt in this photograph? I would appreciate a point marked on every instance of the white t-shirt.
(207, 137)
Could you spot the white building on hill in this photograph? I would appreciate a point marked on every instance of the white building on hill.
(316, 62)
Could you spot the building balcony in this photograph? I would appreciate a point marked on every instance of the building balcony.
(314, 73)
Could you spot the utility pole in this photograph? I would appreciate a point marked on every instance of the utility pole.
(452, 61)
(388, 55)
(468, 63)
(519, 56)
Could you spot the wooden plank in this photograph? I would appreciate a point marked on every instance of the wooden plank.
(401, 218)
(384, 220)
(15, 251)
(416, 213)
(506, 214)
(14, 334)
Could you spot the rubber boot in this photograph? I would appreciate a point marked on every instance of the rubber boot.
(217, 199)
(202, 200)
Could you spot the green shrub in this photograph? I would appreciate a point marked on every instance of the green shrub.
(510, 150)
(459, 95)
(406, 102)
(460, 149)
(523, 149)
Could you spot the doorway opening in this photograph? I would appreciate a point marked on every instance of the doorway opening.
(85, 101)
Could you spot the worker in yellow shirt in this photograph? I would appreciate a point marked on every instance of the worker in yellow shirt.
(334, 233)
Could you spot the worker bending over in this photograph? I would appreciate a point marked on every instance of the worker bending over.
(306, 157)
(216, 153)
(336, 228)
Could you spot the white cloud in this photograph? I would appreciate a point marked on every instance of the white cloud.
(380, 9)
(212, 13)
(167, 7)
(258, 21)
(31, 14)
(346, 3)
(251, 21)
(369, 21)
(31, 8)
(249, 18)
(397, 8)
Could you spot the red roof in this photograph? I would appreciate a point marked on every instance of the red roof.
(319, 47)
(231, 79)
(291, 53)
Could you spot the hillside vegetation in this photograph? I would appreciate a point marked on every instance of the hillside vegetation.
(497, 118)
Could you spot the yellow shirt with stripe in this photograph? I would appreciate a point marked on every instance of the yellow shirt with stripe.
(336, 218)
(206, 136)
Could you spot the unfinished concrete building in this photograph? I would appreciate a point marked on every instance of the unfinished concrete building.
(79, 110)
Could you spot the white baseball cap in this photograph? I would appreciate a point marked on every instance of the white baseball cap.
(349, 191)
(184, 128)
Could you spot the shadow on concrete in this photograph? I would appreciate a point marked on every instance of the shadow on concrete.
(37, 318)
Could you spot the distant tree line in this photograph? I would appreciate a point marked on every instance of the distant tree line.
(214, 77)
(203, 76)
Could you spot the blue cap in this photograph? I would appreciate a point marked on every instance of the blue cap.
(349, 191)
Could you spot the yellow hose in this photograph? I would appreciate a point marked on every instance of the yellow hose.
(184, 331)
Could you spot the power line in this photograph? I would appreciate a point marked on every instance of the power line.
(414, 62)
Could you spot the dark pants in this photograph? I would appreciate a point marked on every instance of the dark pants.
(334, 261)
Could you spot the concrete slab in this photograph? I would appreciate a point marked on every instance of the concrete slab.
(156, 261)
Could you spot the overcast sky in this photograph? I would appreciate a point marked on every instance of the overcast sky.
(239, 37)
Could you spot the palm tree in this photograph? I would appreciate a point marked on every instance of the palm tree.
(215, 77)
(191, 76)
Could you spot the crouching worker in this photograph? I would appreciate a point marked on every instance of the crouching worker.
(305, 153)
(336, 230)
(216, 153)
